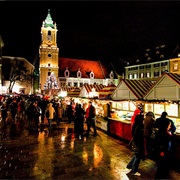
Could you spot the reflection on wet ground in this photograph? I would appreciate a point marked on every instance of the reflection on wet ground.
(58, 154)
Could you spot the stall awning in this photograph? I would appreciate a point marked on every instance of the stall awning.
(73, 92)
(97, 87)
(106, 91)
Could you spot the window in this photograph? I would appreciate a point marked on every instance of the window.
(75, 84)
(49, 64)
(49, 55)
(175, 66)
(148, 74)
(156, 65)
(164, 64)
(49, 33)
(130, 76)
(66, 72)
(135, 68)
(148, 66)
(135, 76)
(49, 36)
(81, 84)
(111, 75)
(141, 75)
(79, 74)
(91, 75)
(141, 67)
(49, 73)
(69, 84)
(156, 74)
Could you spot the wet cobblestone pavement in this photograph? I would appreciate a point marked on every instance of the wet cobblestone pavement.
(58, 154)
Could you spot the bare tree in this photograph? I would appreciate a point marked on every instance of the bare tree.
(18, 72)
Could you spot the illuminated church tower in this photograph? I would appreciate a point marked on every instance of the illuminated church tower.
(48, 52)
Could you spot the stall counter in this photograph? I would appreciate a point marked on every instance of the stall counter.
(120, 128)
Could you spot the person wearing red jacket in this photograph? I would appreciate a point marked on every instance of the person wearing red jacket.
(90, 118)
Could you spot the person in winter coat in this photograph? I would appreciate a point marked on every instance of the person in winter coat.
(138, 137)
(4, 113)
(59, 113)
(37, 113)
(70, 113)
(163, 150)
(79, 120)
(136, 112)
(51, 111)
(30, 115)
(90, 118)
(161, 122)
(149, 122)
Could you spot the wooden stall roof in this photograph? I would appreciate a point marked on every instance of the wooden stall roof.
(173, 76)
(97, 87)
(138, 87)
(107, 90)
(73, 92)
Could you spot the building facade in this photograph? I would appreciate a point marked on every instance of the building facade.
(151, 70)
(48, 52)
(154, 63)
(56, 72)
(24, 86)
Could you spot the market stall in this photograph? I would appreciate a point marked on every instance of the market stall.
(125, 98)
(165, 96)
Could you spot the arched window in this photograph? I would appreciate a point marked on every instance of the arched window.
(49, 36)
(79, 73)
(91, 75)
(111, 75)
(66, 72)
(49, 33)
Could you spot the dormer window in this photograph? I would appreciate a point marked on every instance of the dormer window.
(91, 75)
(66, 72)
(111, 75)
(79, 73)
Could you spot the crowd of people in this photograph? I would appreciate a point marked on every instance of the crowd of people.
(34, 111)
(153, 138)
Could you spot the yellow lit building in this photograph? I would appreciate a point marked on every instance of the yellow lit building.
(57, 72)
(48, 52)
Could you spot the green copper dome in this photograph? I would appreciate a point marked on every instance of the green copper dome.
(48, 20)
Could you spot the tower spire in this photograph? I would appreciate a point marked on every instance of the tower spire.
(48, 20)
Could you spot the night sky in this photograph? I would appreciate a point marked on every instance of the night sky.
(96, 30)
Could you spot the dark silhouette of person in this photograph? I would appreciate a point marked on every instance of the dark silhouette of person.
(79, 120)
(138, 138)
(90, 118)
(163, 150)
